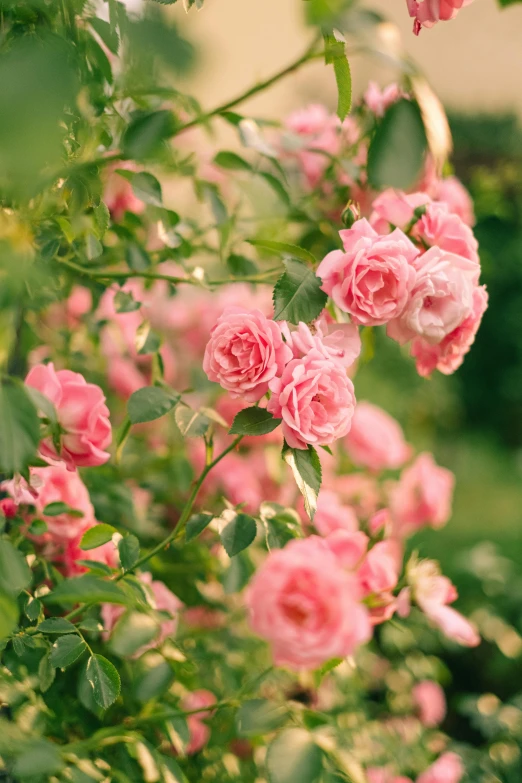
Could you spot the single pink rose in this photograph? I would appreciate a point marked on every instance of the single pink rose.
(315, 399)
(82, 413)
(245, 352)
(8, 508)
(376, 441)
(378, 100)
(339, 342)
(124, 377)
(78, 304)
(348, 547)
(381, 568)
(373, 276)
(59, 485)
(312, 128)
(430, 701)
(451, 191)
(381, 520)
(438, 226)
(395, 209)
(306, 605)
(448, 355)
(423, 496)
(332, 515)
(427, 13)
(359, 490)
(441, 298)
(447, 769)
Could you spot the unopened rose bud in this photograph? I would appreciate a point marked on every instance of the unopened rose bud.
(8, 507)
(350, 214)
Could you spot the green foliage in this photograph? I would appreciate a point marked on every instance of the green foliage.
(293, 757)
(297, 294)
(334, 54)
(398, 147)
(104, 680)
(19, 428)
(254, 421)
(97, 536)
(66, 650)
(150, 403)
(196, 525)
(306, 467)
(87, 589)
(238, 534)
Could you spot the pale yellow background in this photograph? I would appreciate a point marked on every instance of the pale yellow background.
(474, 62)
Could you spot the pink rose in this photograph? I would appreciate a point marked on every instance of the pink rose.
(430, 701)
(245, 352)
(448, 355)
(315, 399)
(378, 100)
(306, 605)
(381, 568)
(427, 13)
(68, 556)
(447, 769)
(8, 508)
(312, 128)
(393, 208)
(332, 515)
(65, 486)
(373, 276)
(339, 342)
(452, 192)
(119, 195)
(441, 299)
(423, 496)
(199, 731)
(82, 414)
(348, 547)
(376, 440)
(383, 775)
(438, 226)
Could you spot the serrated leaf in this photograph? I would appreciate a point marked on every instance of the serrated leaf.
(254, 421)
(335, 54)
(150, 403)
(87, 589)
(306, 467)
(129, 550)
(104, 680)
(56, 625)
(196, 525)
(46, 672)
(191, 424)
(284, 249)
(231, 161)
(297, 294)
(97, 536)
(259, 716)
(238, 534)
(147, 188)
(66, 650)
(102, 218)
(15, 574)
(293, 757)
(397, 150)
(19, 428)
(33, 609)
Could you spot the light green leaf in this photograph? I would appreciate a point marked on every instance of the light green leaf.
(97, 536)
(102, 218)
(293, 757)
(19, 428)
(15, 574)
(40, 758)
(57, 507)
(259, 716)
(87, 589)
(56, 625)
(306, 468)
(104, 680)
(297, 294)
(124, 302)
(129, 550)
(147, 188)
(254, 421)
(277, 186)
(238, 534)
(196, 525)
(284, 249)
(8, 614)
(191, 424)
(232, 161)
(335, 53)
(150, 403)
(46, 672)
(397, 150)
(66, 650)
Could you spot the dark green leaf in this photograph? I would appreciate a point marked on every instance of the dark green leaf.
(232, 161)
(129, 549)
(66, 650)
(15, 574)
(33, 608)
(240, 266)
(108, 35)
(124, 302)
(8, 614)
(19, 428)
(97, 536)
(46, 672)
(154, 682)
(297, 294)
(259, 716)
(38, 527)
(131, 632)
(102, 218)
(282, 524)
(238, 534)
(254, 421)
(147, 188)
(104, 680)
(150, 403)
(306, 468)
(277, 186)
(397, 150)
(137, 257)
(145, 134)
(284, 249)
(56, 625)
(57, 507)
(293, 757)
(196, 525)
(40, 758)
(96, 567)
(335, 53)
(191, 424)
(87, 589)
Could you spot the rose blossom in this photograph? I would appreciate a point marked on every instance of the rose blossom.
(438, 226)
(427, 13)
(376, 440)
(332, 515)
(373, 276)
(383, 775)
(68, 555)
(339, 342)
(312, 128)
(381, 568)
(348, 547)
(315, 399)
(448, 355)
(441, 299)
(81, 412)
(422, 496)
(430, 701)
(65, 486)
(395, 208)
(306, 605)
(199, 732)
(447, 769)
(245, 352)
(452, 192)
(378, 100)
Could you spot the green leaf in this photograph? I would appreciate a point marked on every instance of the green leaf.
(46, 672)
(240, 266)
(57, 507)
(56, 625)
(15, 574)
(131, 632)
(147, 188)
(102, 218)
(66, 650)
(282, 524)
(238, 573)
(238, 534)
(196, 525)
(297, 294)
(259, 716)
(108, 35)
(154, 682)
(33, 608)
(19, 428)
(277, 186)
(38, 527)
(97, 536)
(232, 161)
(335, 53)
(124, 302)
(40, 758)
(137, 257)
(129, 549)
(93, 247)
(96, 567)
(397, 150)
(87, 589)
(104, 680)
(284, 249)
(254, 421)
(191, 424)
(293, 757)
(306, 468)
(150, 403)
(8, 614)
(145, 134)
